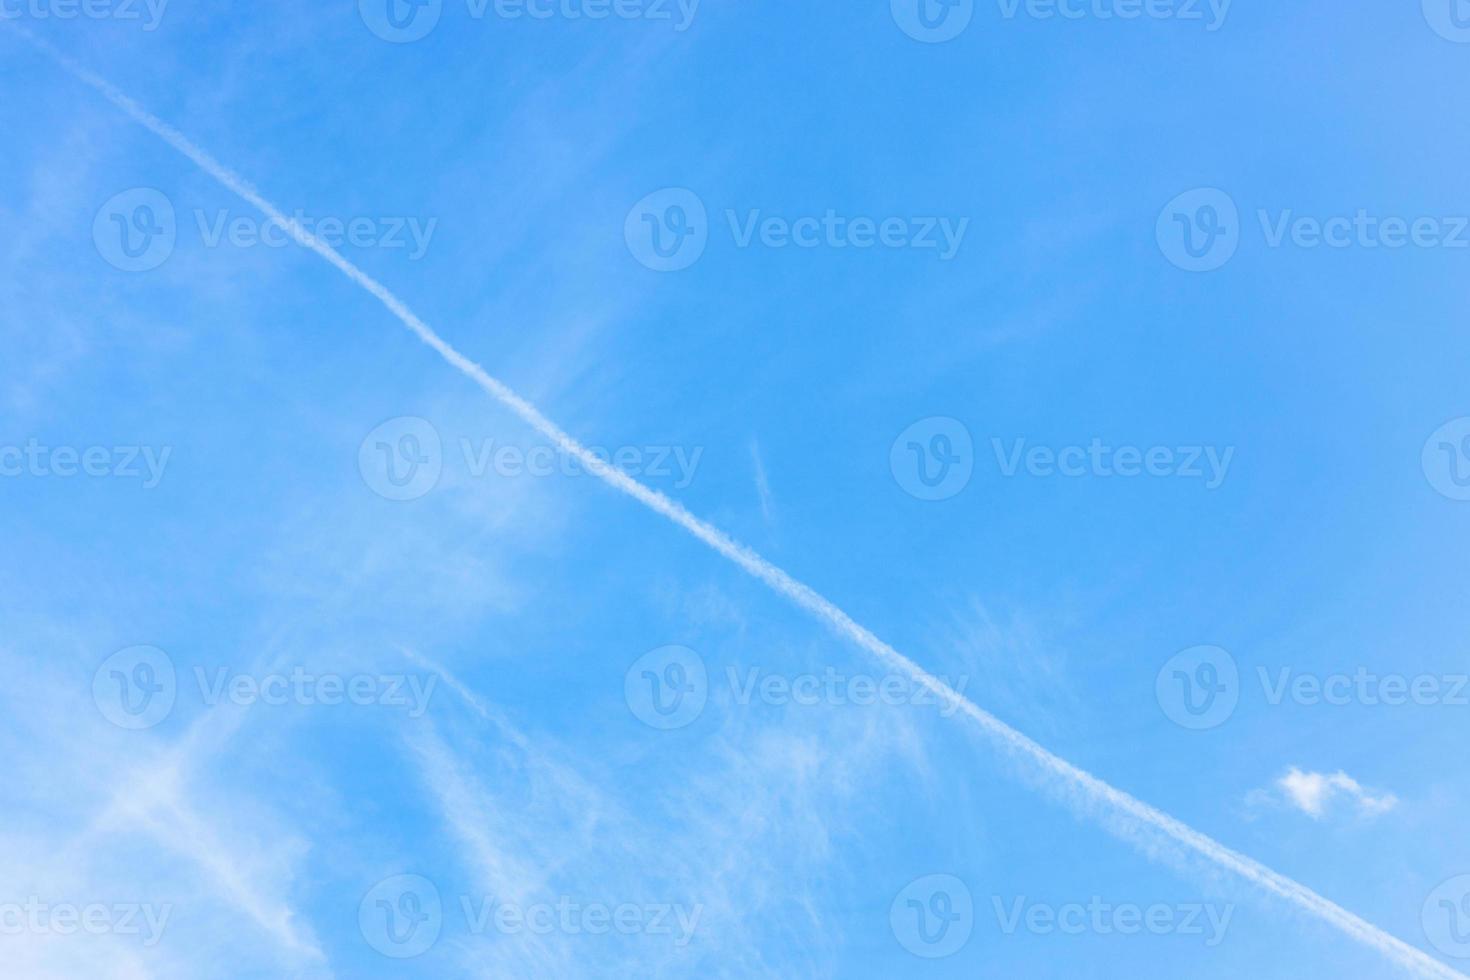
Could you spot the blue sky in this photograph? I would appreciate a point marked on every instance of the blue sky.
(931, 425)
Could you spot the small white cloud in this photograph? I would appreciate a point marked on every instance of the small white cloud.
(1315, 793)
(762, 485)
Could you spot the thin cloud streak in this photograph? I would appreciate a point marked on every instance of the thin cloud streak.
(1077, 787)
(762, 485)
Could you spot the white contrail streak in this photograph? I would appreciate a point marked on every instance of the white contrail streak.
(1080, 788)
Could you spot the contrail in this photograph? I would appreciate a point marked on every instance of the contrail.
(1080, 789)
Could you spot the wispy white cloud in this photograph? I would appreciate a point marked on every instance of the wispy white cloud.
(1317, 794)
(1018, 664)
(1121, 812)
(749, 835)
(136, 817)
(762, 484)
